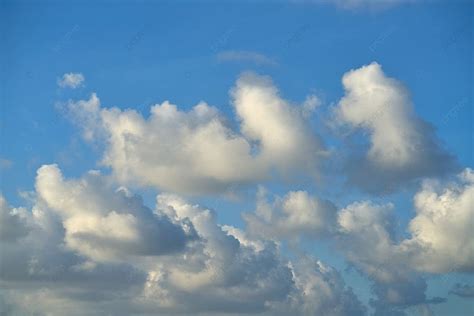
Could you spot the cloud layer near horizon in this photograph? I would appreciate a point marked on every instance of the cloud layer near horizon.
(112, 254)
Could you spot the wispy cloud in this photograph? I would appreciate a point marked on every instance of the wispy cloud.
(245, 56)
(71, 80)
(5, 163)
(360, 4)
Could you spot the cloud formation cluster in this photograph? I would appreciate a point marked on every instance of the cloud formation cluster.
(90, 244)
(110, 253)
(366, 234)
(197, 151)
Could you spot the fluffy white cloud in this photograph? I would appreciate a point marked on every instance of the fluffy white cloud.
(368, 236)
(101, 223)
(71, 80)
(440, 241)
(196, 151)
(443, 225)
(222, 274)
(279, 128)
(402, 146)
(320, 291)
(294, 214)
(368, 241)
(93, 250)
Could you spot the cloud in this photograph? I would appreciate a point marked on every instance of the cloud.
(103, 224)
(39, 275)
(440, 240)
(443, 225)
(367, 235)
(370, 4)
(321, 291)
(223, 274)
(12, 224)
(245, 56)
(373, 5)
(367, 232)
(463, 290)
(196, 151)
(297, 213)
(402, 146)
(96, 267)
(367, 240)
(71, 80)
(5, 163)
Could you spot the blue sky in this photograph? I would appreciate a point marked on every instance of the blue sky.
(135, 54)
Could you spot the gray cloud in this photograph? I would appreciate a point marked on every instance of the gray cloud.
(462, 290)
(12, 225)
(221, 269)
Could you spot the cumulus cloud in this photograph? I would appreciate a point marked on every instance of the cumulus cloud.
(39, 275)
(62, 267)
(368, 233)
(245, 56)
(443, 225)
(225, 274)
(196, 151)
(367, 240)
(320, 291)
(297, 213)
(440, 240)
(71, 80)
(12, 222)
(101, 223)
(402, 146)
(368, 236)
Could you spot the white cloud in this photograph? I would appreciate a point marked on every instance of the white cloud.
(80, 256)
(368, 236)
(402, 146)
(443, 225)
(102, 224)
(440, 241)
(245, 56)
(368, 239)
(223, 274)
(71, 80)
(320, 291)
(196, 151)
(294, 214)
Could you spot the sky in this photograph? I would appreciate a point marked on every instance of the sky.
(236, 157)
